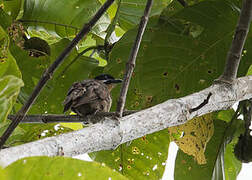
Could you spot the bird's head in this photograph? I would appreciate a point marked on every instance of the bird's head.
(109, 80)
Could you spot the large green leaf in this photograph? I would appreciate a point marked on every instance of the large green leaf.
(131, 11)
(51, 168)
(63, 17)
(143, 158)
(9, 89)
(175, 60)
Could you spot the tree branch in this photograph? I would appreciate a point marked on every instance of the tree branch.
(132, 59)
(58, 118)
(109, 134)
(49, 72)
(234, 54)
(183, 3)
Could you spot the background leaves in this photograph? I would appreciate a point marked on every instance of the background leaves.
(182, 54)
(9, 89)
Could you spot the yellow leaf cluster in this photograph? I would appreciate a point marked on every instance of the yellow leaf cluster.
(193, 136)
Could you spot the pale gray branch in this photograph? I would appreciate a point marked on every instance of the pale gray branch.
(109, 133)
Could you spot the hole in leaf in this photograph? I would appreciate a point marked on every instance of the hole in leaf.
(135, 150)
(118, 60)
(149, 99)
(192, 133)
(177, 87)
(136, 103)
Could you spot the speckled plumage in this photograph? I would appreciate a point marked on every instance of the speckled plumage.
(88, 97)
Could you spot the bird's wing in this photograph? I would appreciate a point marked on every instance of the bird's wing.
(94, 91)
(85, 92)
(76, 91)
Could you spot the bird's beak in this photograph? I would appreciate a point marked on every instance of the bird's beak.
(113, 81)
(116, 81)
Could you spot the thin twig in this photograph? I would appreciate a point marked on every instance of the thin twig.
(132, 59)
(110, 30)
(58, 118)
(49, 72)
(234, 54)
(183, 3)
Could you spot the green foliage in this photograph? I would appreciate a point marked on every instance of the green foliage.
(143, 158)
(170, 51)
(131, 11)
(58, 167)
(9, 88)
(15, 136)
(250, 70)
(12, 7)
(3, 175)
(64, 17)
(5, 20)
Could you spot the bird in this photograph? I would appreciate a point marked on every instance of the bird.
(91, 95)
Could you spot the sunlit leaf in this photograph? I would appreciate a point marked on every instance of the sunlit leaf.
(51, 168)
(131, 11)
(9, 89)
(64, 17)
